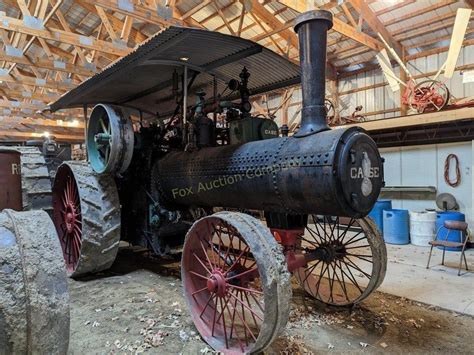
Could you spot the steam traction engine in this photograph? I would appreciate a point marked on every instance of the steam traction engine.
(156, 185)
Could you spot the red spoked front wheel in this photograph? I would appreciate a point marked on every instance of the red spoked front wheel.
(351, 263)
(68, 219)
(236, 282)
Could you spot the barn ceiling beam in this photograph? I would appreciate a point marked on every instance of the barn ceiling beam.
(239, 18)
(65, 25)
(117, 24)
(425, 24)
(348, 14)
(45, 21)
(189, 21)
(404, 34)
(31, 81)
(273, 22)
(216, 14)
(411, 14)
(53, 34)
(20, 105)
(436, 40)
(26, 95)
(195, 9)
(467, 42)
(394, 7)
(423, 11)
(375, 24)
(287, 34)
(47, 64)
(422, 31)
(126, 28)
(243, 11)
(16, 136)
(339, 26)
(275, 31)
(224, 18)
(61, 53)
(43, 115)
(275, 43)
(53, 123)
(144, 13)
(139, 12)
(105, 21)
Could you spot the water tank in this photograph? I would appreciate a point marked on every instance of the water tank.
(10, 180)
(377, 212)
(454, 235)
(422, 227)
(395, 226)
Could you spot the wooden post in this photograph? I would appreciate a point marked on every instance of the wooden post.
(334, 97)
(86, 123)
(284, 110)
(403, 77)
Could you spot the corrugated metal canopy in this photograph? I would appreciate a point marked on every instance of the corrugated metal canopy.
(143, 79)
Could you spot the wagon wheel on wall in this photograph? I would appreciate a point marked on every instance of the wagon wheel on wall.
(86, 211)
(429, 95)
(236, 282)
(353, 263)
(330, 111)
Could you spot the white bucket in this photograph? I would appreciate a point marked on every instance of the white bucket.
(422, 227)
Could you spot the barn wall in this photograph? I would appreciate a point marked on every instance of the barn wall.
(382, 98)
(424, 166)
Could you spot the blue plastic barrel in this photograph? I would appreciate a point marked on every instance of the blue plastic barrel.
(377, 212)
(396, 229)
(454, 235)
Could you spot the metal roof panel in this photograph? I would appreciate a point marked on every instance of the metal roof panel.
(142, 79)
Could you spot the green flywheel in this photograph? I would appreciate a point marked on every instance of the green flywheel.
(110, 139)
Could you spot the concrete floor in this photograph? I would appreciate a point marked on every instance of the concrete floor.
(440, 286)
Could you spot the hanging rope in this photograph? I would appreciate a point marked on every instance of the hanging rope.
(447, 164)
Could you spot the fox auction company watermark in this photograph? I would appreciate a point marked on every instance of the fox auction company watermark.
(227, 180)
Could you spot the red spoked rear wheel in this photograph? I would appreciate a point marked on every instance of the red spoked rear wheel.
(86, 214)
(235, 282)
(68, 219)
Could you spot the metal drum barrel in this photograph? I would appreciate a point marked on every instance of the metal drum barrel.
(377, 212)
(10, 180)
(395, 226)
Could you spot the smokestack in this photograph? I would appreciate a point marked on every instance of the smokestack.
(312, 28)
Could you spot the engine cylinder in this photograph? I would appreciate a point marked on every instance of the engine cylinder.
(335, 172)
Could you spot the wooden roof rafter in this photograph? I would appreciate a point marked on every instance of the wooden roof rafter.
(51, 61)
(25, 135)
(375, 24)
(338, 26)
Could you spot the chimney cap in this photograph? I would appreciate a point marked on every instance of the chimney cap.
(312, 16)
